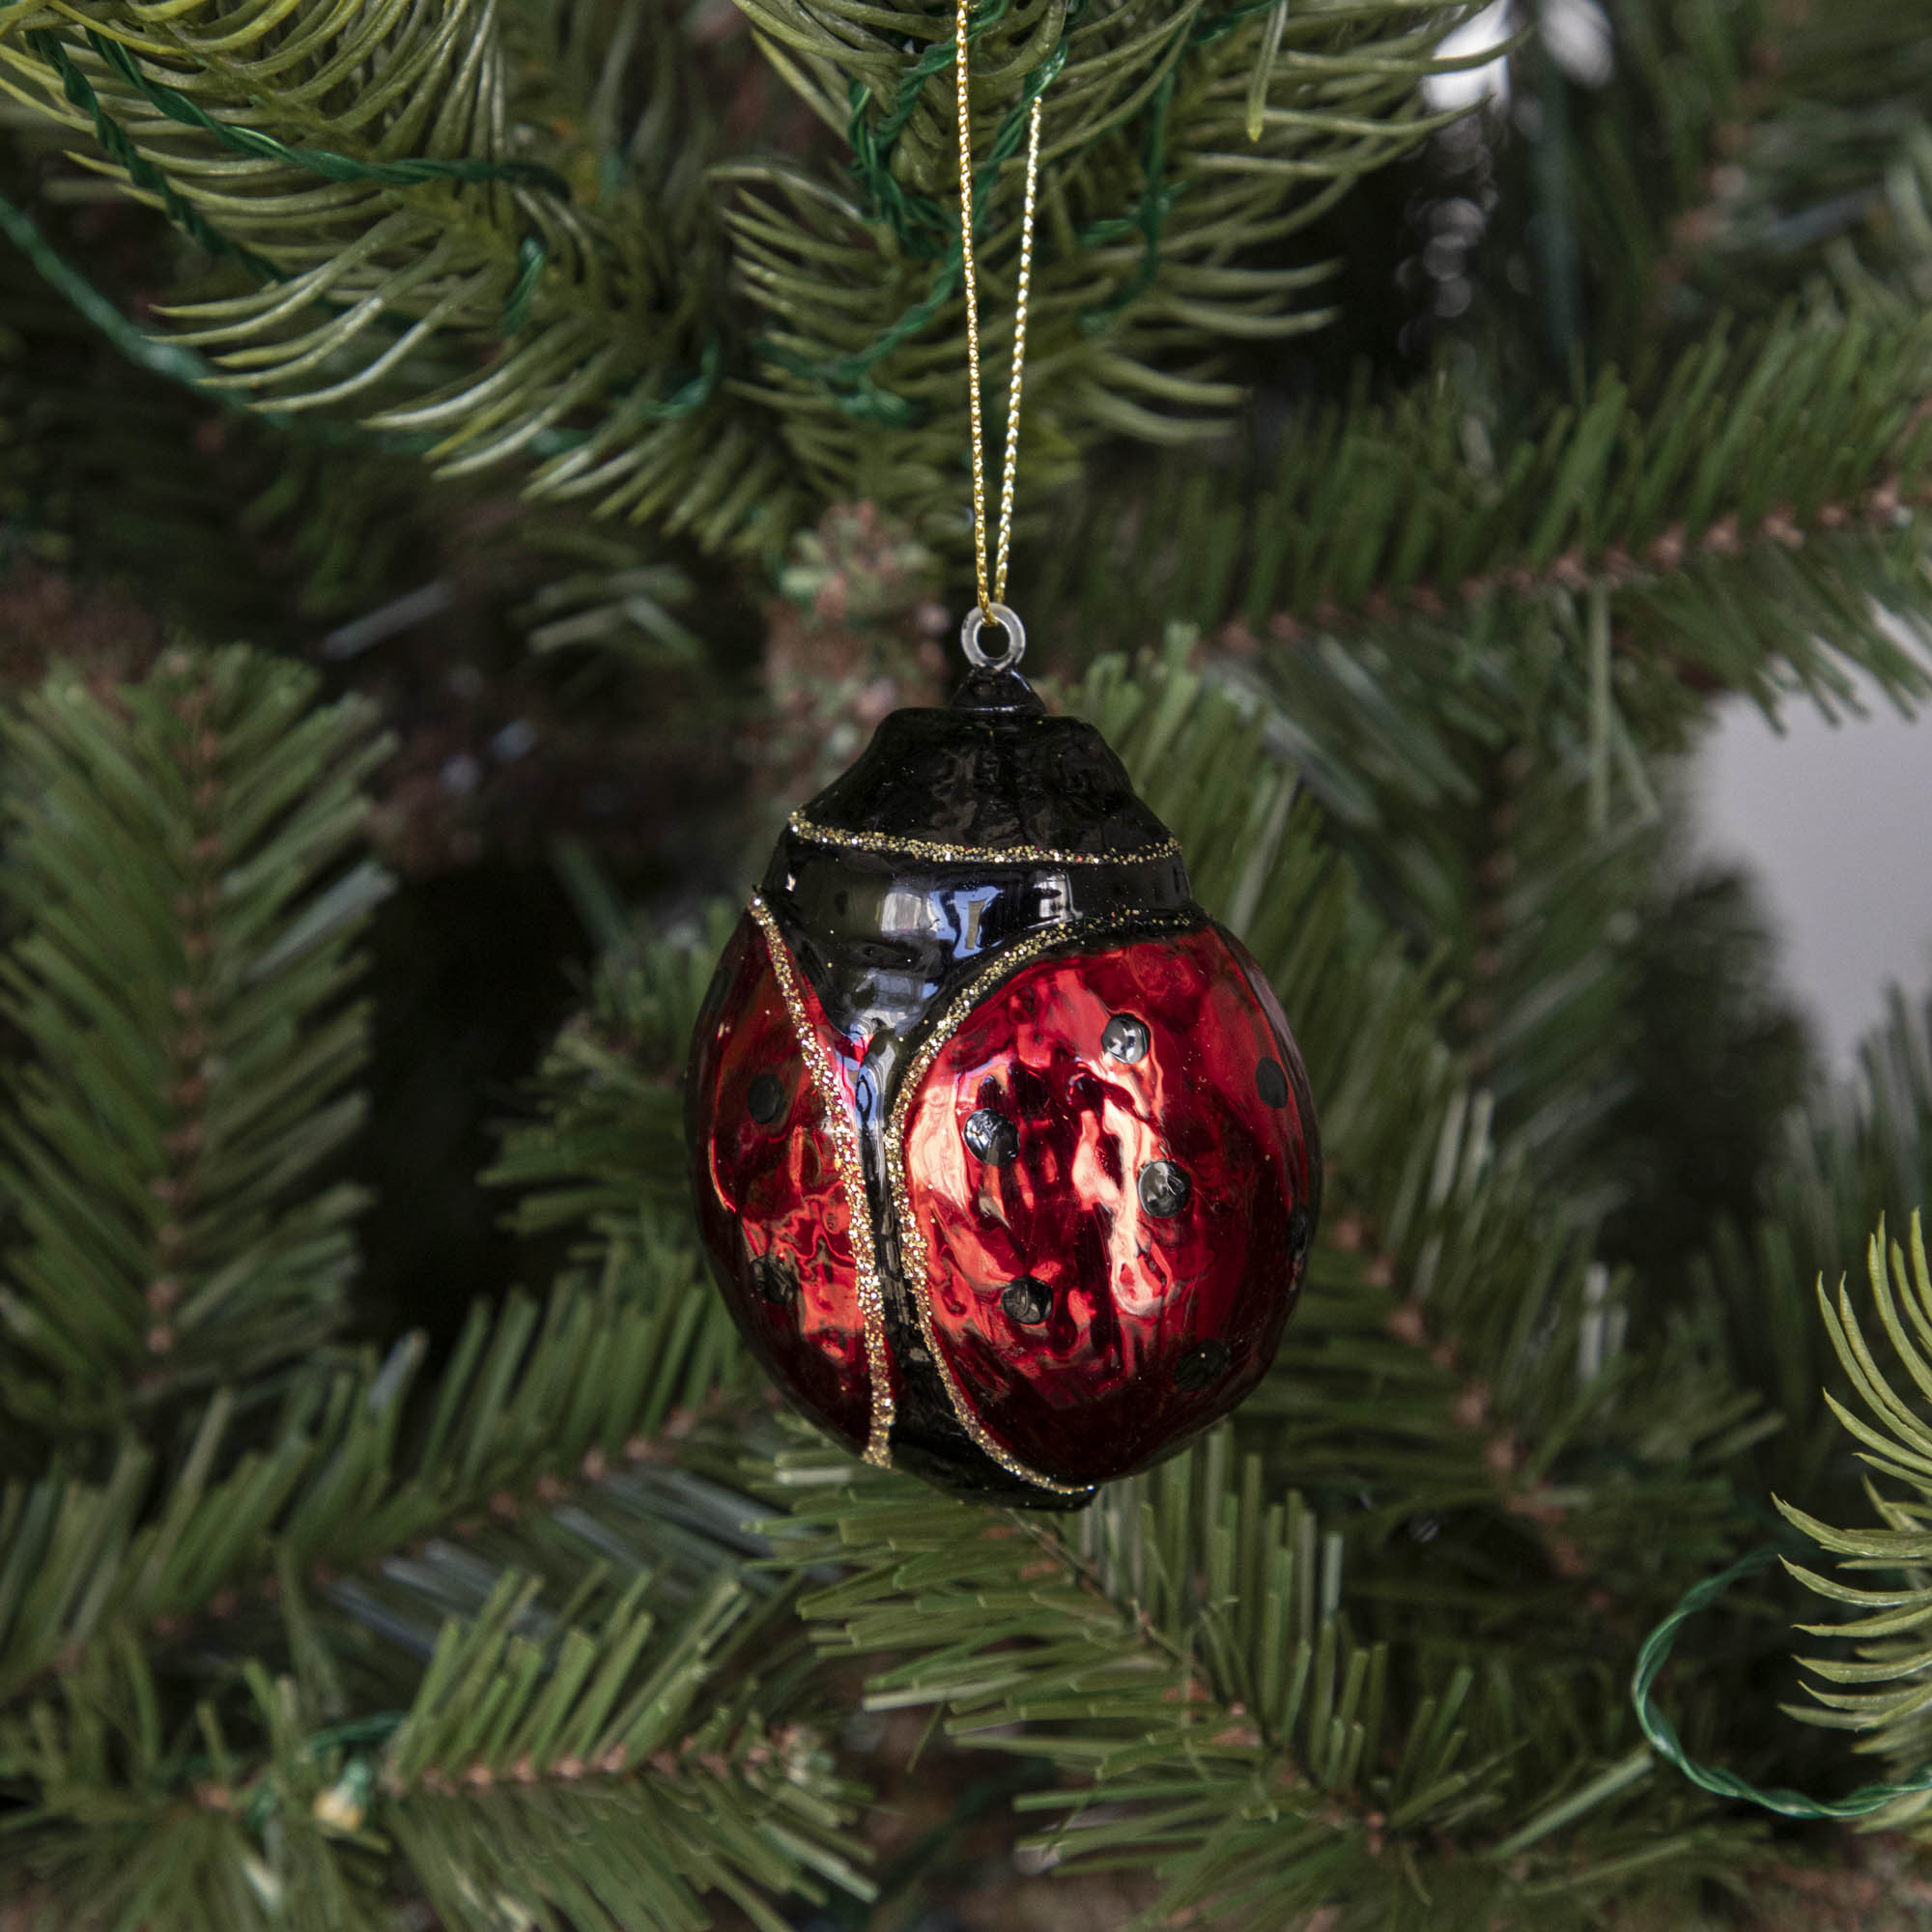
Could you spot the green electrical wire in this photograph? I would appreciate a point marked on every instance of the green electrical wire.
(1662, 1733)
(1157, 194)
(847, 379)
(922, 224)
(265, 1798)
(183, 366)
(531, 254)
(172, 359)
(411, 171)
(119, 148)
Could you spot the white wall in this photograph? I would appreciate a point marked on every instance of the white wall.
(1835, 821)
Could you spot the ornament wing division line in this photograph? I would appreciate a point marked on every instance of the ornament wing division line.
(840, 1132)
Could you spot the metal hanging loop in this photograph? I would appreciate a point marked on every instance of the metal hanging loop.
(976, 622)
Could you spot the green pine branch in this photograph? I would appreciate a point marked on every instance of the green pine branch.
(363, 1460)
(359, 1464)
(516, 1579)
(183, 856)
(1847, 1162)
(1741, 153)
(605, 1760)
(1212, 1711)
(508, 1775)
(1486, 763)
(609, 1133)
(1182, 1656)
(410, 231)
(331, 525)
(1883, 1616)
(392, 288)
(1752, 518)
(1180, 150)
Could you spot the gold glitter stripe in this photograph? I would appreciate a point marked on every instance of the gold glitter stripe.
(912, 1240)
(844, 1134)
(983, 855)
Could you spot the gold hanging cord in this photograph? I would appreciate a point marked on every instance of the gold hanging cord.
(990, 610)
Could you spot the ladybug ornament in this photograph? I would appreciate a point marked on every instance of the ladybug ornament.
(1001, 1148)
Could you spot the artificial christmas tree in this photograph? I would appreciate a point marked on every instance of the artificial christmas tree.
(569, 402)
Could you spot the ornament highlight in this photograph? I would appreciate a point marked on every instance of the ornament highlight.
(1000, 1149)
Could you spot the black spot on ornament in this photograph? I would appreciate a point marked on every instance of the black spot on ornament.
(1299, 1226)
(1271, 1083)
(1203, 1365)
(774, 1278)
(992, 1138)
(767, 1098)
(1027, 1301)
(1163, 1189)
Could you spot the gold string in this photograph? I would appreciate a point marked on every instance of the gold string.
(998, 590)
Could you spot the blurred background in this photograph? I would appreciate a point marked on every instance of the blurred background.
(1655, 927)
(1831, 819)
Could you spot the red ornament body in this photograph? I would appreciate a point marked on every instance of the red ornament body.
(1000, 1149)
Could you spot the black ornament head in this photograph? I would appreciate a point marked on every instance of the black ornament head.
(991, 775)
(961, 827)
